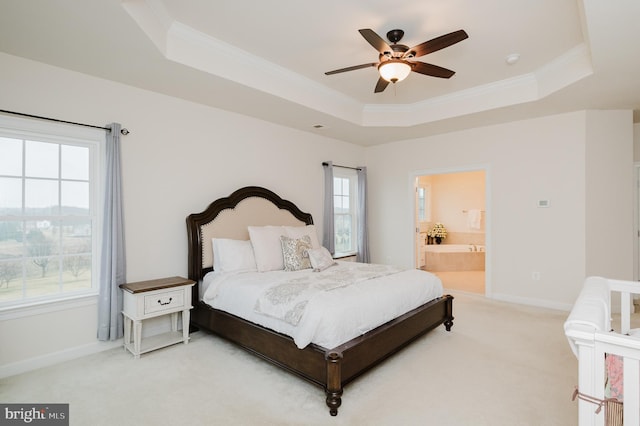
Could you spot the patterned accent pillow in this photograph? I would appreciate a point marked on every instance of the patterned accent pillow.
(294, 252)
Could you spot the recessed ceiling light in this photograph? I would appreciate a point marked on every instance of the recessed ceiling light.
(512, 58)
(318, 126)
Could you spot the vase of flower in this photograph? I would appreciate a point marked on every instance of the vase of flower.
(438, 233)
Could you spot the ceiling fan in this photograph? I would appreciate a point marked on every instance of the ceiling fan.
(394, 62)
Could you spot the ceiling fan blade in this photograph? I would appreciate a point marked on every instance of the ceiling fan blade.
(375, 40)
(437, 43)
(381, 85)
(432, 70)
(355, 67)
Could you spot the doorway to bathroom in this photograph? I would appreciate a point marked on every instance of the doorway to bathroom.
(451, 227)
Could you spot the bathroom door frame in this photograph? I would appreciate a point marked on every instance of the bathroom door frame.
(413, 177)
(636, 222)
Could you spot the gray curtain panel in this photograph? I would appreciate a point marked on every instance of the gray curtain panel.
(112, 261)
(328, 240)
(363, 233)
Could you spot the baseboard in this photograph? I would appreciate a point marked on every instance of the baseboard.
(35, 363)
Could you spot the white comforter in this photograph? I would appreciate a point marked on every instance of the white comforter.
(331, 317)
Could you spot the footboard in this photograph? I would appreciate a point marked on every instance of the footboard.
(591, 337)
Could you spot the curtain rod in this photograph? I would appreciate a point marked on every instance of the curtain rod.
(343, 167)
(123, 131)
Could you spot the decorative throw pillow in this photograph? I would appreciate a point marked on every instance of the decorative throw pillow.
(294, 252)
(320, 259)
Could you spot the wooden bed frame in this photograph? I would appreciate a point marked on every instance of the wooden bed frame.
(332, 368)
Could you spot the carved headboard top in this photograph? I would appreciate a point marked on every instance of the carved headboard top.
(230, 216)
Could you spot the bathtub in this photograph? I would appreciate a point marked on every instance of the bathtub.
(454, 257)
(452, 248)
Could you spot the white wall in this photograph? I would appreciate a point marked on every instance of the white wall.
(610, 194)
(526, 161)
(636, 142)
(179, 157)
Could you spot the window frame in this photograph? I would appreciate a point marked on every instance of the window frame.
(352, 177)
(71, 135)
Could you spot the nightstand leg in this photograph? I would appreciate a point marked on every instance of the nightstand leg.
(137, 338)
(127, 331)
(186, 314)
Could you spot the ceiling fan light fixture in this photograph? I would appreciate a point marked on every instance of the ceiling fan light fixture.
(394, 70)
(395, 61)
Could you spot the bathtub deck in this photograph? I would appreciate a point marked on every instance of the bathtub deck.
(454, 261)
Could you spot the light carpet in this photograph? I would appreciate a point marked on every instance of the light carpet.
(502, 364)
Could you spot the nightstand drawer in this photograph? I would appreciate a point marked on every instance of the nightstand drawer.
(169, 300)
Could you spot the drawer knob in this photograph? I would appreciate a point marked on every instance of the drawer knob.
(165, 303)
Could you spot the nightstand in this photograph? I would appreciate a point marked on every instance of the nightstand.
(153, 298)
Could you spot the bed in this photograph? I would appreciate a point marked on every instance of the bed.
(330, 368)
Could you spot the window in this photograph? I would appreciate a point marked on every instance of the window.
(423, 202)
(345, 196)
(49, 222)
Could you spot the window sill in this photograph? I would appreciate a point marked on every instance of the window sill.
(38, 308)
(341, 256)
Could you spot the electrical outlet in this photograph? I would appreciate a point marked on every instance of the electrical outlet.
(535, 276)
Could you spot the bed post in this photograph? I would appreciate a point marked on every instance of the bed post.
(334, 382)
(448, 322)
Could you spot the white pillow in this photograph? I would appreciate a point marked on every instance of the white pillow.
(298, 232)
(320, 259)
(233, 255)
(266, 247)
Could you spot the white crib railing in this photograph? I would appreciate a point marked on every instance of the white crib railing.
(588, 329)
